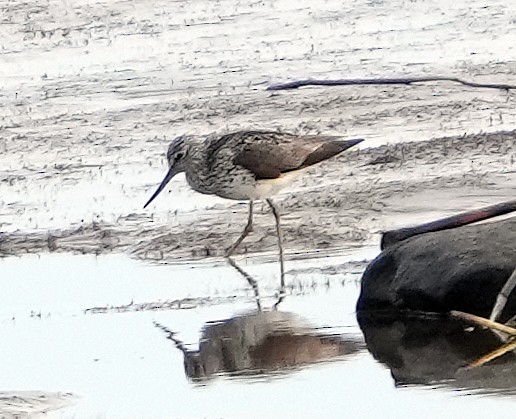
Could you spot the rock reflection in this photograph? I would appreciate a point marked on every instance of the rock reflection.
(437, 352)
(260, 343)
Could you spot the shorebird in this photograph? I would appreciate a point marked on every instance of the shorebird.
(249, 166)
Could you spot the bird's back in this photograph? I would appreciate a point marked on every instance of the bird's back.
(233, 165)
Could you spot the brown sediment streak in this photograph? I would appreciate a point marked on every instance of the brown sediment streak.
(392, 237)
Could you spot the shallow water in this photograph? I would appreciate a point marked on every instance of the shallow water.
(308, 359)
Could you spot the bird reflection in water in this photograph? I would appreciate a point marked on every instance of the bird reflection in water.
(260, 343)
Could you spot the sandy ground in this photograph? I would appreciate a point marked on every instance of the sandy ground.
(92, 92)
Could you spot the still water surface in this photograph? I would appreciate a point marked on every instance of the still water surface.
(221, 358)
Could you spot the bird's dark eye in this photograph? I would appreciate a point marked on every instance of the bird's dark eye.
(179, 156)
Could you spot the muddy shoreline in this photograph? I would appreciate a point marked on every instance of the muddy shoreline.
(32, 404)
(93, 93)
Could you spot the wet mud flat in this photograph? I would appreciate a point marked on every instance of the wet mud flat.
(92, 94)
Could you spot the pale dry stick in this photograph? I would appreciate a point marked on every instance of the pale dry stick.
(503, 296)
(496, 328)
(385, 81)
(498, 352)
(481, 321)
(511, 321)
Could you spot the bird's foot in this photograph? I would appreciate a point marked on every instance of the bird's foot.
(282, 294)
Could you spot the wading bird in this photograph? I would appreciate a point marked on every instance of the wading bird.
(248, 165)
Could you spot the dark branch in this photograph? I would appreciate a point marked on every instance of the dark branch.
(404, 80)
(392, 237)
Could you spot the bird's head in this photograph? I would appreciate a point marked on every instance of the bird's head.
(177, 155)
(178, 152)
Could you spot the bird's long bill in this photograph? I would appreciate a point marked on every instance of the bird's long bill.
(170, 174)
(350, 143)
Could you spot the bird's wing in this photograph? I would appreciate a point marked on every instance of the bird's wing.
(273, 154)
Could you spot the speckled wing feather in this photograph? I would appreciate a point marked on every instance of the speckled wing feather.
(271, 154)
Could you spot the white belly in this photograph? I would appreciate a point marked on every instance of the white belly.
(260, 189)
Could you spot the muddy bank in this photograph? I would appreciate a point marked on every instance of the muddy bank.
(339, 204)
(32, 404)
(93, 93)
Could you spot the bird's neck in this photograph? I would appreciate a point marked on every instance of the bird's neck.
(196, 154)
(196, 168)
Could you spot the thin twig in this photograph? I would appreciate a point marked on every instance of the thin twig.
(498, 352)
(385, 81)
(503, 296)
(481, 321)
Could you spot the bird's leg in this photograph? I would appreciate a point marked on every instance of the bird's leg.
(281, 298)
(280, 243)
(248, 228)
(249, 279)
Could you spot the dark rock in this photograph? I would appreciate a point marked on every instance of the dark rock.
(434, 351)
(458, 269)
